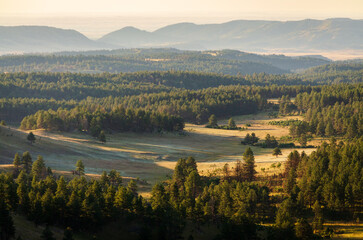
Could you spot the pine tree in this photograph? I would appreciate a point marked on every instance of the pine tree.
(320, 129)
(248, 167)
(80, 167)
(192, 184)
(95, 126)
(26, 161)
(318, 216)
(284, 216)
(226, 171)
(31, 138)
(276, 152)
(329, 130)
(16, 161)
(38, 168)
(159, 198)
(303, 140)
(213, 121)
(238, 170)
(352, 130)
(231, 124)
(102, 136)
(290, 181)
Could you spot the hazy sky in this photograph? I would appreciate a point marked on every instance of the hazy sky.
(97, 17)
(347, 8)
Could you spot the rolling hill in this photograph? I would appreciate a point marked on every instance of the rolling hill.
(25, 39)
(248, 35)
(150, 59)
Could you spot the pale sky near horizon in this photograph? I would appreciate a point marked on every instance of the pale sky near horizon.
(275, 8)
(97, 17)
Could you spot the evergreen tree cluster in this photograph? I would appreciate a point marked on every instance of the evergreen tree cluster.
(25, 93)
(233, 205)
(120, 120)
(332, 176)
(334, 111)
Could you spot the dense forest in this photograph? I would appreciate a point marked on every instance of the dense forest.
(25, 93)
(332, 111)
(134, 60)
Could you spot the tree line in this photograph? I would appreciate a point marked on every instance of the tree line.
(335, 110)
(119, 120)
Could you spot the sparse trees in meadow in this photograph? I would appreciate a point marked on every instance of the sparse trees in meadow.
(212, 121)
(31, 138)
(276, 152)
(232, 124)
(102, 136)
(80, 168)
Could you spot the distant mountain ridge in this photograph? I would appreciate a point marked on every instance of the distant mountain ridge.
(26, 39)
(245, 35)
(248, 35)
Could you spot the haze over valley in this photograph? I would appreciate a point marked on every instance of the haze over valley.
(297, 37)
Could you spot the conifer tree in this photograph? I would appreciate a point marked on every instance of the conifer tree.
(238, 170)
(102, 136)
(38, 168)
(26, 161)
(231, 124)
(248, 167)
(329, 130)
(303, 140)
(284, 216)
(276, 152)
(16, 161)
(80, 167)
(31, 138)
(318, 216)
(213, 121)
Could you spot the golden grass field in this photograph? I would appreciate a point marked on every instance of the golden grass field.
(147, 156)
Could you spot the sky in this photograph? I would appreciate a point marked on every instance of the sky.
(352, 8)
(96, 17)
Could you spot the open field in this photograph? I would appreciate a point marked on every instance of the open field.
(336, 55)
(150, 157)
(349, 231)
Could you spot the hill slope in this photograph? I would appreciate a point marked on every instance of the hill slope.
(43, 39)
(151, 59)
(330, 34)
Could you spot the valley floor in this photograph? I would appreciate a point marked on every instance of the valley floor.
(149, 157)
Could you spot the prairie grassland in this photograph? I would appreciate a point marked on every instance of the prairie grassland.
(349, 231)
(147, 156)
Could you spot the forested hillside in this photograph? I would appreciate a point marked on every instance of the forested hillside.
(348, 72)
(133, 60)
(104, 119)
